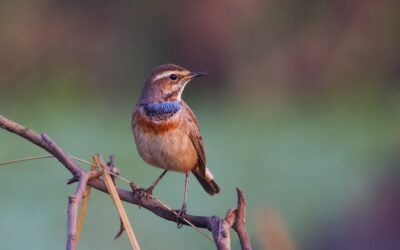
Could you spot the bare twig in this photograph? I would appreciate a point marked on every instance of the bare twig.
(73, 205)
(235, 218)
(240, 221)
(83, 209)
(219, 227)
(221, 230)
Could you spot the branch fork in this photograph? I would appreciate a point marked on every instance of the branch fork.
(73, 205)
(220, 227)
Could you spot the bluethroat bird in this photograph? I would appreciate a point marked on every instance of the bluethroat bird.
(166, 131)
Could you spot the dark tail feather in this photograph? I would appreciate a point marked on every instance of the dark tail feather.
(210, 186)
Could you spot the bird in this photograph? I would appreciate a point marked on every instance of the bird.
(166, 131)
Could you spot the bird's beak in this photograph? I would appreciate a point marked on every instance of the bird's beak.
(196, 74)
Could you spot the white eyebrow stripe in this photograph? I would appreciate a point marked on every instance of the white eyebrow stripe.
(165, 74)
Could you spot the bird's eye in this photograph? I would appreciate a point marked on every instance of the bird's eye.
(173, 77)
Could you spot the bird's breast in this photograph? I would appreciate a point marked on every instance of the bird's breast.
(165, 143)
(149, 125)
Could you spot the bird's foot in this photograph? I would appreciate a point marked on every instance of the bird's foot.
(143, 193)
(147, 192)
(181, 216)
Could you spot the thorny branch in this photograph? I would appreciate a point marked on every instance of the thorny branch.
(220, 227)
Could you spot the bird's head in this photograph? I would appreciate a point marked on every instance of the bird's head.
(166, 83)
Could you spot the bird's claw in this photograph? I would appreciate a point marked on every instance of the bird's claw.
(180, 217)
(146, 192)
(143, 193)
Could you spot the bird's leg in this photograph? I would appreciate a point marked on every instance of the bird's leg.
(150, 189)
(147, 192)
(182, 212)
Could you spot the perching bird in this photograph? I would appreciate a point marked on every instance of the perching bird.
(166, 131)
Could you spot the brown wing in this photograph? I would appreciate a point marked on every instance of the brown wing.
(195, 137)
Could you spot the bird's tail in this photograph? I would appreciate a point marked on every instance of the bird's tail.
(207, 181)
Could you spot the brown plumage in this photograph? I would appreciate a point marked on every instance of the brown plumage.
(166, 131)
(153, 127)
(201, 172)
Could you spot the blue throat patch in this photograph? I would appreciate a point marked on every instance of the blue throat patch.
(162, 110)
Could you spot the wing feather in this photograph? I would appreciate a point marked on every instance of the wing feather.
(195, 137)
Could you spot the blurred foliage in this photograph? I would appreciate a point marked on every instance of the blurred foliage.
(301, 109)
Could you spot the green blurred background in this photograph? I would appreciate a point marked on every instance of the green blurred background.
(300, 109)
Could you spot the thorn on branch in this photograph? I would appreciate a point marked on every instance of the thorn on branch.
(231, 216)
(73, 180)
(112, 168)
